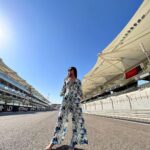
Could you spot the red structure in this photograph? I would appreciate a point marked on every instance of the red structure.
(133, 72)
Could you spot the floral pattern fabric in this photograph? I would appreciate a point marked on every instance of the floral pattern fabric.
(72, 94)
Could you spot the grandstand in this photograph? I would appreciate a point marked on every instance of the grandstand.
(16, 94)
(111, 86)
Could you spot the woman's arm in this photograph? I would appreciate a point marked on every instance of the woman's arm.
(63, 90)
(80, 93)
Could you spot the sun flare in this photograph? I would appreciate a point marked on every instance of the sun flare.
(5, 34)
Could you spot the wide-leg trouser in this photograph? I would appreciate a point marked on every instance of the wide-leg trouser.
(79, 133)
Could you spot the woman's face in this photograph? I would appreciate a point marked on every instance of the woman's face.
(70, 73)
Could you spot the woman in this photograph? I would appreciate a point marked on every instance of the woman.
(72, 94)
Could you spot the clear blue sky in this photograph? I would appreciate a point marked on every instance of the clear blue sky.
(44, 37)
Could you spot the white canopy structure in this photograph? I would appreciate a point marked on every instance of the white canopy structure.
(129, 49)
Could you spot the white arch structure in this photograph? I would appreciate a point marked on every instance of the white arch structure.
(129, 49)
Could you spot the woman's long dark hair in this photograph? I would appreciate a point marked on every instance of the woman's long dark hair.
(74, 70)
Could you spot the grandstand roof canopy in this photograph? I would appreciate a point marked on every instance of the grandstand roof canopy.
(123, 53)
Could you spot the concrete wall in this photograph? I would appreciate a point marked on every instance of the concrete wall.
(126, 103)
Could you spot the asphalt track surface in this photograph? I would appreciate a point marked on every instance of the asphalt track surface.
(33, 131)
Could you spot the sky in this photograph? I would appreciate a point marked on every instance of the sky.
(41, 39)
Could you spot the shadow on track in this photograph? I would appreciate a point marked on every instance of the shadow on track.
(65, 147)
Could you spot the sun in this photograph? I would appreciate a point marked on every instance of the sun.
(4, 33)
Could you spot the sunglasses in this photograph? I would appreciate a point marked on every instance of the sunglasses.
(69, 70)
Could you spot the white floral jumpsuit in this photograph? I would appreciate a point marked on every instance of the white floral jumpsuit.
(72, 94)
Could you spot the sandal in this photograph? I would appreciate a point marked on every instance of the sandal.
(49, 147)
